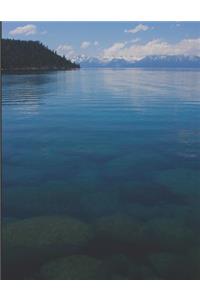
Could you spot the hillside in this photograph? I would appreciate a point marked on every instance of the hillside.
(18, 55)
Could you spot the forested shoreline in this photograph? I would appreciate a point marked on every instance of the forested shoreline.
(18, 55)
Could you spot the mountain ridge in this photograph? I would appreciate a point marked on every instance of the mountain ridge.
(152, 61)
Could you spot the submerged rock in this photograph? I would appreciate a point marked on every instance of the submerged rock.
(121, 266)
(121, 228)
(168, 234)
(47, 231)
(167, 265)
(193, 263)
(75, 267)
(30, 242)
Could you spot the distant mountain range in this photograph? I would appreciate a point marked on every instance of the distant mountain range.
(20, 55)
(153, 61)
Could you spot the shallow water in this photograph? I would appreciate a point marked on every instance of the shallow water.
(118, 150)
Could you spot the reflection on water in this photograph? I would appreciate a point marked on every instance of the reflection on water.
(101, 175)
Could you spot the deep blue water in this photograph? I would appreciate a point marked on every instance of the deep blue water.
(119, 148)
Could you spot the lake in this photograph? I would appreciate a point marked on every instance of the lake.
(101, 171)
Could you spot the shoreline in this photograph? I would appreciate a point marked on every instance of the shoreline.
(35, 70)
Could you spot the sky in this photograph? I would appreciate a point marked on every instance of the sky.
(107, 40)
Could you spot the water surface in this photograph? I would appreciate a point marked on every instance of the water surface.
(118, 150)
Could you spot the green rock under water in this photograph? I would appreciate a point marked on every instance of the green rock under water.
(75, 267)
(30, 242)
(121, 266)
(47, 231)
(166, 265)
(120, 227)
(168, 234)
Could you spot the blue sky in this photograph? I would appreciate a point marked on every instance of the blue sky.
(129, 40)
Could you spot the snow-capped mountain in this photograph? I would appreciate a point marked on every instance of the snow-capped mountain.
(89, 62)
(169, 61)
(95, 62)
(153, 61)
(119, 63)
(86, 60)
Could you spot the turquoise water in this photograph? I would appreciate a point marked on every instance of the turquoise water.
(101, 174)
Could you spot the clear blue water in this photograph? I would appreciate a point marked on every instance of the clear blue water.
(114, 149)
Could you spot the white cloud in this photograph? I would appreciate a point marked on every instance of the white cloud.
(134, 40)
(96, 43)
(24, 30)
(138, 28)
(85, 44)
(154, 47)
(66, 50)
(114, 50)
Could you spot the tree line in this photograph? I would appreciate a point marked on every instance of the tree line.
(33, 55)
